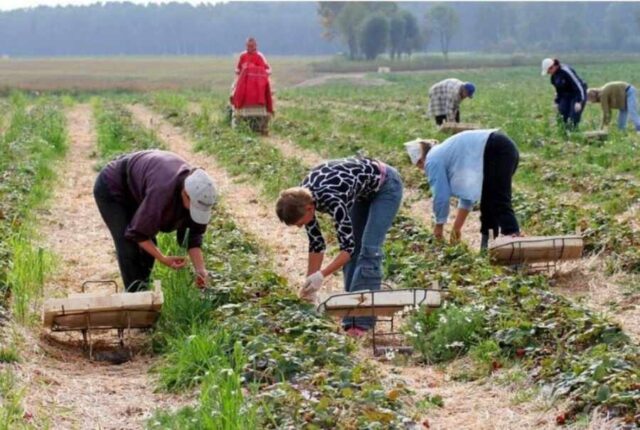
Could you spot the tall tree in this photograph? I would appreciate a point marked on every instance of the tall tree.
(397, 35)
(412, 38)
(444, 22)
(374, 36)
(348, 24)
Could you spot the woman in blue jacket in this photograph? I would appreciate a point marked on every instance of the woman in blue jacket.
(472, 165)
(571, 90)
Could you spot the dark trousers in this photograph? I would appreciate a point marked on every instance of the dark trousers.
(500, 163)
(442, 118)
(567, 111)
(135, 263)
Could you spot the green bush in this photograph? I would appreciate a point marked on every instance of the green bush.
(446, 333)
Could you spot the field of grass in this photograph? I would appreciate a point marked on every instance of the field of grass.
(137, 73)
(258, 357)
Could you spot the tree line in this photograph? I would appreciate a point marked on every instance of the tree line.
(368, 29)
(363, 30)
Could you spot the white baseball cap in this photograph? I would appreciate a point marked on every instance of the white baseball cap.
(202, 195)
(414, 149)
(546, 63)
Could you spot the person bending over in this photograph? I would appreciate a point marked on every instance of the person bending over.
(143, 193)
(362, 196)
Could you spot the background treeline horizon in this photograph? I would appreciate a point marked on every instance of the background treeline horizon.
(358, 30)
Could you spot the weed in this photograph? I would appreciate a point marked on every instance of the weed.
(447, 332)
(11, 412)
(9, 354)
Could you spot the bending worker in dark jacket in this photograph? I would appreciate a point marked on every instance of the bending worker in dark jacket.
(146, 192)
(571, 91)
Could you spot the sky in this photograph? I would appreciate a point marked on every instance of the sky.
(17, 4)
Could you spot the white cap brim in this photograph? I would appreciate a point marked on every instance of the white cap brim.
(200, 213)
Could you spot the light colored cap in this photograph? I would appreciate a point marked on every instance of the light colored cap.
(546, 63)
(202, 194)
(414, 149)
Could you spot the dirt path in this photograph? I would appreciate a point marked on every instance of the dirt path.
(249, 209)
(64, 388)
(467, 405)
(356, 79)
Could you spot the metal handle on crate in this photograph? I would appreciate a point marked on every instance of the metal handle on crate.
(109, 281)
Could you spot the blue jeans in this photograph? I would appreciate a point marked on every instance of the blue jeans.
(371, 220)
(566, 109)
(632, 111)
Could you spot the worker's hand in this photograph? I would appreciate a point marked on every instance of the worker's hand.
(174, 262)
(577, 107)
(201, 279)
(438, 231)
(455, 236)
(311, 286)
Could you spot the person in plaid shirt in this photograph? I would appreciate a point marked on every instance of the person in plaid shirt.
(445, 98)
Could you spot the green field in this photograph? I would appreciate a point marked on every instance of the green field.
(251, 355)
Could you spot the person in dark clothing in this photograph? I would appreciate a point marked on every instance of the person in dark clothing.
(571, 91)
(146, 192)
(472, 165)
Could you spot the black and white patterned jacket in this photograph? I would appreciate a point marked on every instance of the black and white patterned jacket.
(336, 185)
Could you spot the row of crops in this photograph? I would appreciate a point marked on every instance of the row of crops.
(492, 316)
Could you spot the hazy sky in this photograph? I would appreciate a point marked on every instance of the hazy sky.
(16, 4)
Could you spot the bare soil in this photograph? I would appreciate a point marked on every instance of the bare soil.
(63, 388)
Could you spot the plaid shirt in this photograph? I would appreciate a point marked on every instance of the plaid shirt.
(444, 98)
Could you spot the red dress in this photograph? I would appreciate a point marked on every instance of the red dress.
(254, 58)
(253, 88)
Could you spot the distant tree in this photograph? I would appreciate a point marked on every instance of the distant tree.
(397, 35)
(444, 22)
(328, 12)
(412, 37)
(374, 36)
(348, 25)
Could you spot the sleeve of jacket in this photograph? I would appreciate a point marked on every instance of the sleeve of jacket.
(194, 237)
(316, 241)
(145, 223)
(576, 83)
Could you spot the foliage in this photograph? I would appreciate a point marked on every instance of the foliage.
(222, 404)
(293, 365)
(11, 412)
(444, 22)
(374, 36)
(446, 333)
(119, 133)
(34, 140)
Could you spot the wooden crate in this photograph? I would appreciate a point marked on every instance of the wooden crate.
(379, 303)
(535, 249)
(103, 311)
(457, 127)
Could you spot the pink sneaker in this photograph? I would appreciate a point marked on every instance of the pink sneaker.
(356, 332)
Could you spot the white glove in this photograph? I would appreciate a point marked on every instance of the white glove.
(311, 286)
(577, 107)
